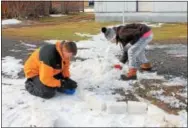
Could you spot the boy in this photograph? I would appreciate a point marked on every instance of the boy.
(137, 36)
(47, 70)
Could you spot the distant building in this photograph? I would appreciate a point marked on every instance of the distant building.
(141, 10)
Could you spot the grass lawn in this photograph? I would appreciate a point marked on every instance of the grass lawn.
(64, 28)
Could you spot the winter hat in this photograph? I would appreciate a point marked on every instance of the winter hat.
(108, 32)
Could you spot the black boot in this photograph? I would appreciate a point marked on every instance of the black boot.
(126, 78)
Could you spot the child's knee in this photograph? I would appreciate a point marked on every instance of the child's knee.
(48, 95)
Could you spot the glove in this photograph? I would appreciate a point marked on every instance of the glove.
(67, 84)
(70, 81)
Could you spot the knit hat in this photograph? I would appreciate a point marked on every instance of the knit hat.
(108, 32)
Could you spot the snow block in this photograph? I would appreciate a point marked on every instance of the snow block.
(134, 107)
(172, 120)
(116, 107)
(93, 101)
(154, 110)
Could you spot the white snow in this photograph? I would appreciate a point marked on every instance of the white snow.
(156, 93)
(183, 94)
(29, 45)
(57, 15)
(177, 81)
(83, 34)
(11, 66)
(134, 107)
(88, 10)
(20, 109)
(11, 21)
(153, 25)
(172, 101)
(13, 50)
(116, 108)
(51, 41)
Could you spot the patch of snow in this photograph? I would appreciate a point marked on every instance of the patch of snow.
(13, 50)
(57, 15)
(146, 75)
(51, 41)
(172, 101)
(183, 94)
(28, 45)
(156, 92)
(11, 21)
(154, 25)
(11, 66)
(177, 81)
(88, 10)
(83, 35)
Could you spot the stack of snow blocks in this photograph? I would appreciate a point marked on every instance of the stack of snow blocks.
(96, 103)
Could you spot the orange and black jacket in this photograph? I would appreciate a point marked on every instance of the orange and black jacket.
(48, 63)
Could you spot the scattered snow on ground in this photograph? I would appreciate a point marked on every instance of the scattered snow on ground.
(28, 45)
(177, 81)
(11, 66)
(175, 103)
(21, 109)
(13, 50)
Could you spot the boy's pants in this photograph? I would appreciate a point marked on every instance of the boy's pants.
(136, 53)
(35, 87)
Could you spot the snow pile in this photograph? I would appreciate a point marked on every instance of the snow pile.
(10, 21)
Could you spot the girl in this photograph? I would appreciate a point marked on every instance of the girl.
(137, 36)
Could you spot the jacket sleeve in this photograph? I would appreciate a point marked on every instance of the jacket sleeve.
(46, 76)
(66, 66)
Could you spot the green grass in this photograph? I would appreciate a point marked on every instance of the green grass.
(170, 31)
(64, 31)
(64, 28)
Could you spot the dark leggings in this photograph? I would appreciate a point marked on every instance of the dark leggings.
(35, 87)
